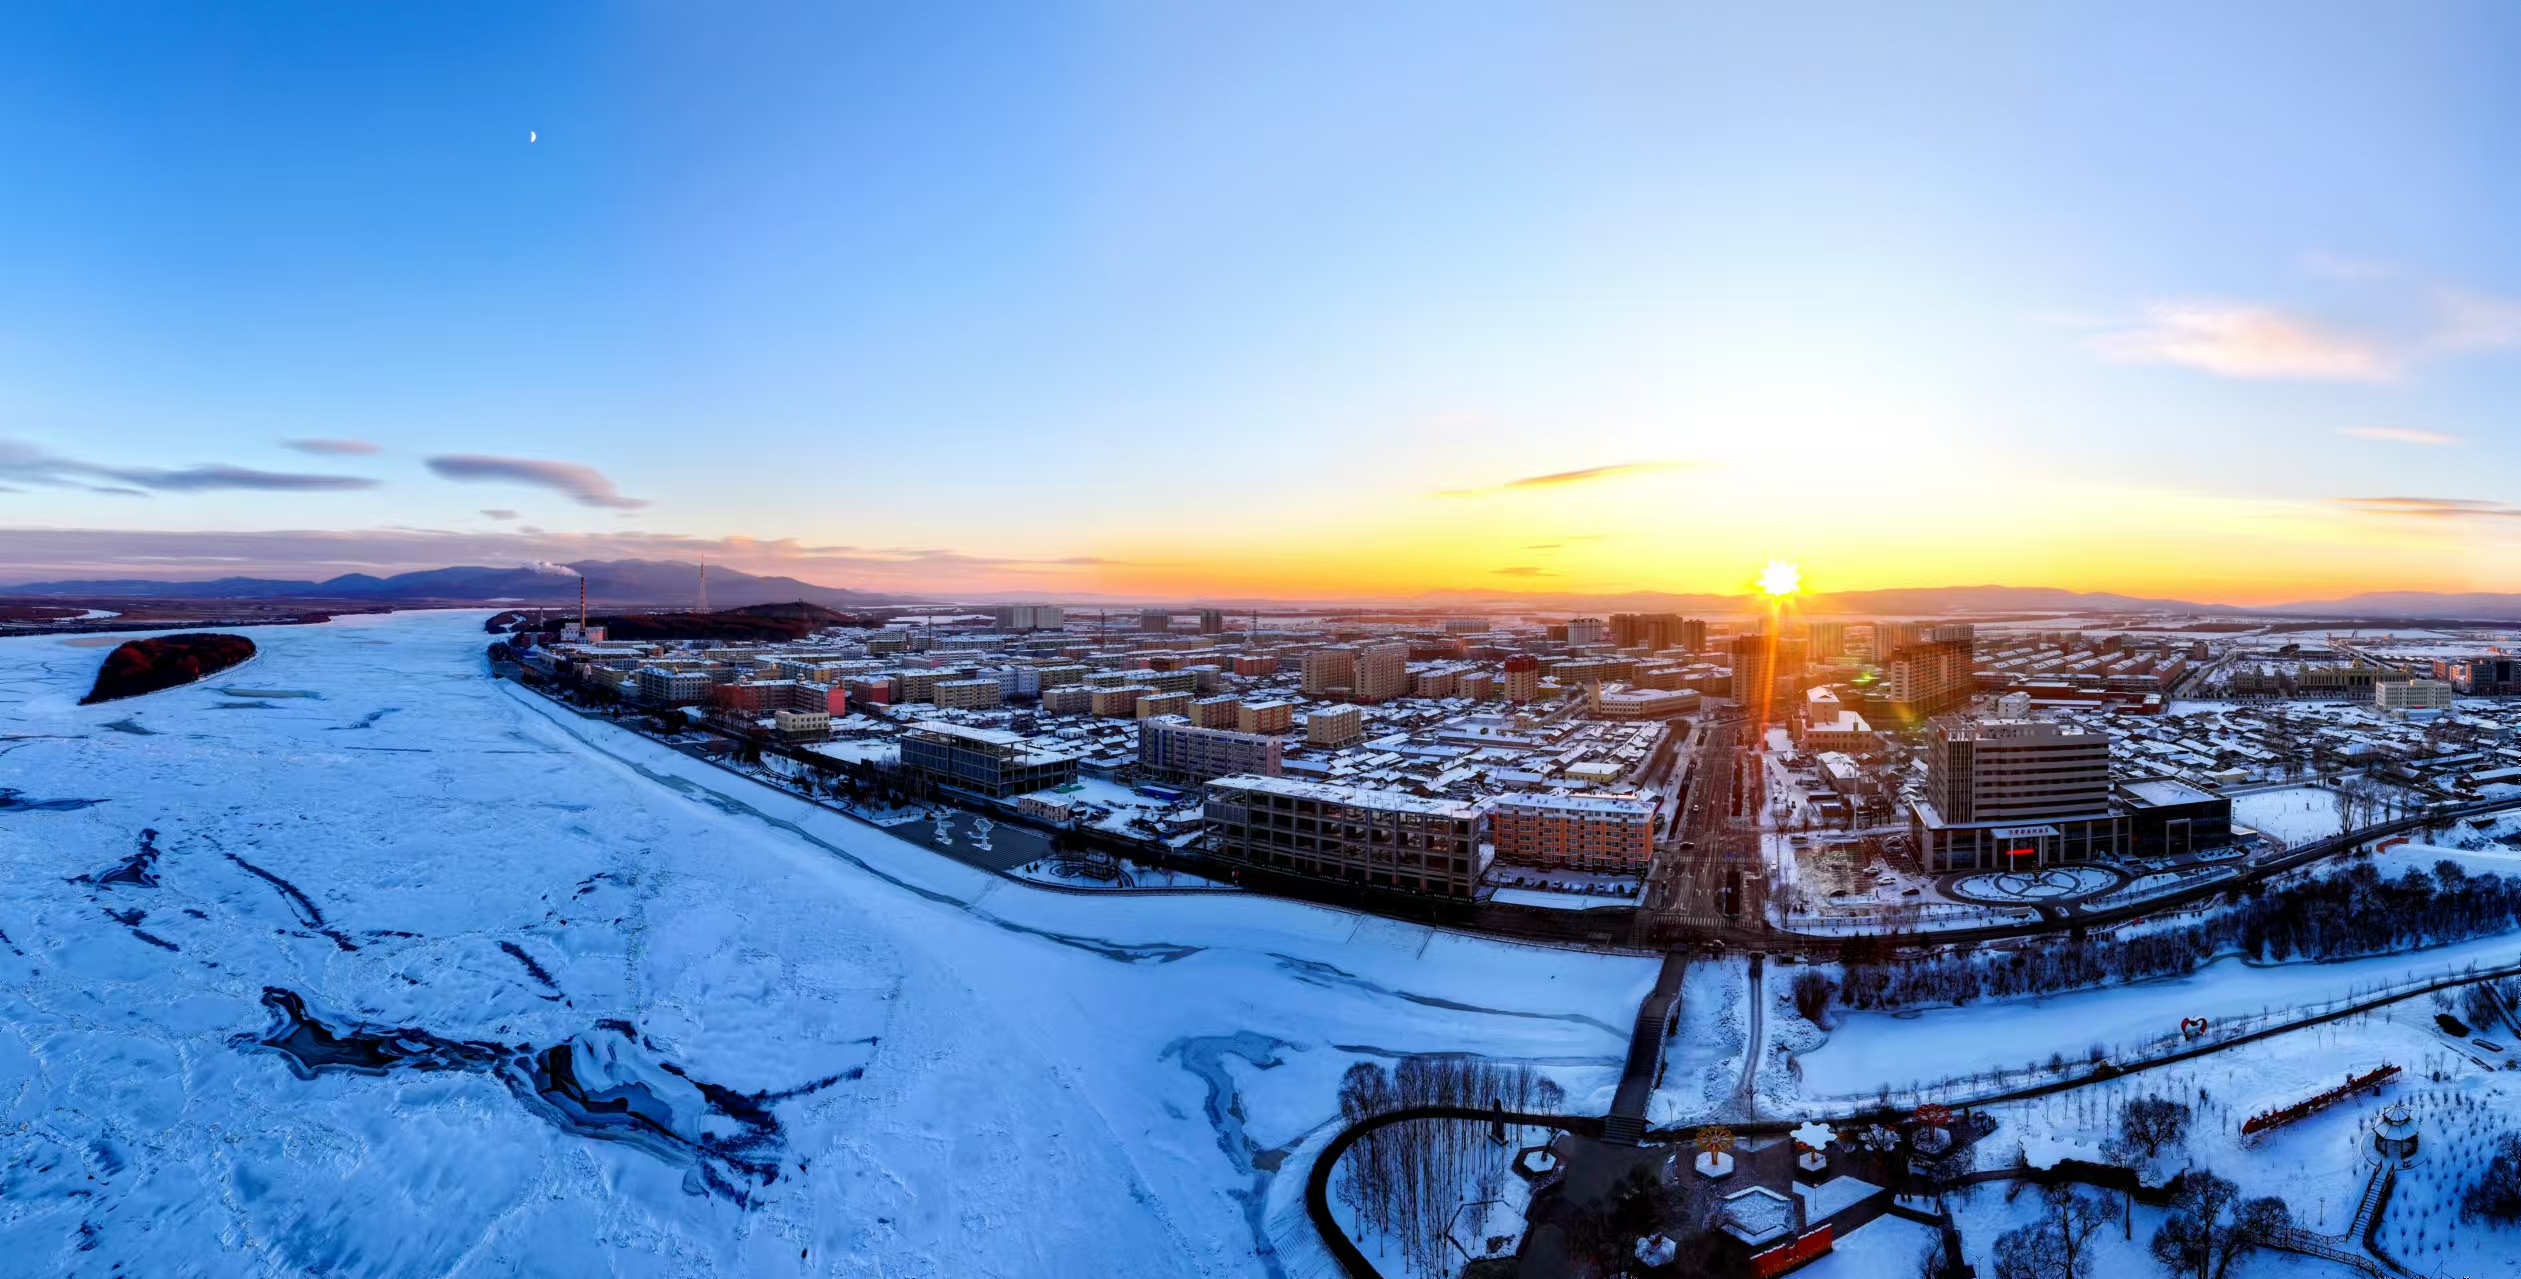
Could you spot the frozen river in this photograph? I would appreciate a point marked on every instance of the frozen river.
(353, 961)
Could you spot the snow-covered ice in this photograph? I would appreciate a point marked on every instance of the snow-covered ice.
(934, 1069)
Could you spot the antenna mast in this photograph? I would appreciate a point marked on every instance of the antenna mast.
(704, 588)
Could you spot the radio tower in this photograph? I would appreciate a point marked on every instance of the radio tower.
(704, 588)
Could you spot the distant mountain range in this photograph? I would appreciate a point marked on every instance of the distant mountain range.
(616, 584)
(610, 584)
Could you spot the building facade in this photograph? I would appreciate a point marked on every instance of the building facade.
(1334, 726)
(1576, 832)
(1382, 839)
(1177, 748)
(984, 761)
(2002, 794)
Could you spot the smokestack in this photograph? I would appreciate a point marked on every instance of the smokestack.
(582, 603)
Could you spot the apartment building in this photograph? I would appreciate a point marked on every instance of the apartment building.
(1334, 726)
(1154, 704)
(1382, 839)
(666, 686)
(1523, 678)
(1068, 699)
(1215, 712)
(1382, 672)
(1829, 641)
(1585, 630)
(1120, 702)
(1330, 672)
(1177, 748)
(1612, 833)
(1028, 617)
(1255, 664)
(1927, 679)
(969, 694)
(1265, 717)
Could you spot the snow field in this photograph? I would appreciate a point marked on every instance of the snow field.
(1047, 1082)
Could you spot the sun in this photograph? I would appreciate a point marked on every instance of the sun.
(1780, 579)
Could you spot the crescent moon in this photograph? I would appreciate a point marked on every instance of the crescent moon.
(529, 135)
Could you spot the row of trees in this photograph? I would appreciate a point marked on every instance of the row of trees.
(1407, 1180)
(2354, 912)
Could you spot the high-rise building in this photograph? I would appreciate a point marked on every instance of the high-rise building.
(1382, 671)
(1584, 630)
(1155, 619)
(1383, 839)
(1656, 632)
(1952, 633)
(1330, 672)
(1754, 675)
(1212, 621)
(1829, 641)
(1929, 679)
(1028, 617)
(2013, 792)
(1891, 637)
(1523, 678)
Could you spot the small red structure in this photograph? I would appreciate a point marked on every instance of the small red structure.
(2369, 1081)
(1794, 1252)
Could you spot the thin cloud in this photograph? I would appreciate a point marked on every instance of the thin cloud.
(1561, 479)
(2239, 340)
(498, 514)
(2399, 435)
(49, 553)
(1523, 570)
(2433, 508)
(30, 465)
(583, 484)
(333, 448)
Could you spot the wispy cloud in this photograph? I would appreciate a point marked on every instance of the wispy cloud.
(2399, 435)
(2399, 324)
(583, 484)
(30, 465)
(31, 554)
(498, 513)
(332, 448)
(2433, 508)
(2240, 340)
(1561, 479)
(1523, 570)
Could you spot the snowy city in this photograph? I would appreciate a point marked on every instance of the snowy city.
(1299, 641)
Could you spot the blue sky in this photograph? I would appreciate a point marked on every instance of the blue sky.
(1163, 300)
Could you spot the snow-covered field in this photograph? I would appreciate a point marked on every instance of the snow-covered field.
(1870, 1049)
(847, 1054)
(2295, 814)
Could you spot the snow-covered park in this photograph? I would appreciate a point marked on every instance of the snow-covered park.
(651, 1018)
